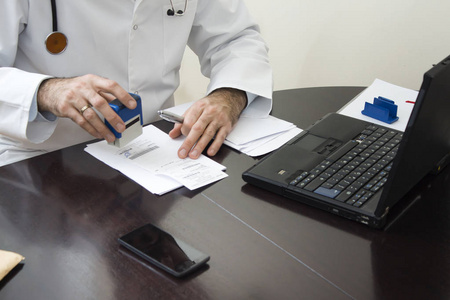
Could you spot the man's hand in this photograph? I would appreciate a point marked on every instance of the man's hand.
(73, 98)
(211, 117)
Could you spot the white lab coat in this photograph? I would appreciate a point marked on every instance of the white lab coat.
(133, 42)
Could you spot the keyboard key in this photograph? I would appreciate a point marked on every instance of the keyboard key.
(316, 171)
(327, 185)
(361, 201)
(315, 184)
(367, 132)
(330, 193)
(344, 196)
(333, 180)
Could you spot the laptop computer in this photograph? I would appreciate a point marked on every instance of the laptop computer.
(359, 170)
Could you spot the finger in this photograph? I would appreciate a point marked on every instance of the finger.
(191, 139)
(109, 97)
(217, 136)
(193, 115)
(218, 141)
(76, 117)
(203, 141)
(107, 86)
(176, 131)
(102, 105)
(99, 126)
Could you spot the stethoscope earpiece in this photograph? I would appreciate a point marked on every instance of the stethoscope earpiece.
(171, 12)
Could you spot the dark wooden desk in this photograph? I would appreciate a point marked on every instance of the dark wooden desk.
(65, 210)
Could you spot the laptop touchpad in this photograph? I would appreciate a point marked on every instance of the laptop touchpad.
(318, 144)
(310, 142)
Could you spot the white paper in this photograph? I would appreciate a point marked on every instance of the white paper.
(152, 161)
(150, 181)
(250, 129)
(253, 136)
(161, 158)
(399, 95)
(272, 144)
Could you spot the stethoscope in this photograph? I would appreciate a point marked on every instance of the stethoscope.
(172, 12)
(56, 42)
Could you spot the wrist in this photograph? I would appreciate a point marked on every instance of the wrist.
(234, 96)
(42, 92)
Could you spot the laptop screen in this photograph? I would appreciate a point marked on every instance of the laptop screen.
(425, 146)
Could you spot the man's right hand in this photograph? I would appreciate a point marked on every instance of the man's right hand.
(73, 98)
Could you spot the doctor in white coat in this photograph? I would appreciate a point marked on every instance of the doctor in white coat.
(53, 100)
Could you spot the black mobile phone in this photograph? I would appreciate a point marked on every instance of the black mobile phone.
(164, 250)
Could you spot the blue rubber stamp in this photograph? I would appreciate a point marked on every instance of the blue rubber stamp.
(131, 117)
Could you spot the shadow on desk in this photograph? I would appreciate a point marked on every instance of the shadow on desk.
(10, 276)
(431, 188)
(411, 250)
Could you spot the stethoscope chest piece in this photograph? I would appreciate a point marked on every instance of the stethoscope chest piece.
(56, 42)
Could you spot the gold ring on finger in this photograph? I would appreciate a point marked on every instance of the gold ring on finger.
(84, 108)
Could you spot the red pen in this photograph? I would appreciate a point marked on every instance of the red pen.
(412, 102)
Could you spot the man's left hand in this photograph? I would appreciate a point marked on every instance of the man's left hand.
(212, 117)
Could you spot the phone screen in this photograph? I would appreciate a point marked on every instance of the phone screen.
(164, 250)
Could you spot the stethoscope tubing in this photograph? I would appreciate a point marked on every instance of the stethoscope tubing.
(56, 42)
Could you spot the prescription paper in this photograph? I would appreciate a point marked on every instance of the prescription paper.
(151, 160)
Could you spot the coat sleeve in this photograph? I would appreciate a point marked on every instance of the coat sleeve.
(231, 50)
(17, 87)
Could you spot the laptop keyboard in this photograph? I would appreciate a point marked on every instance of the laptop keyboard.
(356, 171)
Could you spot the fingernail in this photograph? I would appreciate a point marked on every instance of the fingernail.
(182, 153)
(131, 103)
(110, 138)
(211, 152)
(120, 127)
(194, 153)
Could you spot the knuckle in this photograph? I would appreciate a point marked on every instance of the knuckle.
(110, 84)
(87, 77)
(97, 101)
(70, 94)
(79, 84)
(81, 121)
(200, 146)
(197, 127)
(200, 104)
(89, 114)
(62, 107)
(211, 110)
(210, 132)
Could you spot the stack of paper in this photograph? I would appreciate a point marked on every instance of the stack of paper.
(258, 136)
(254, 136)
(151, 160)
